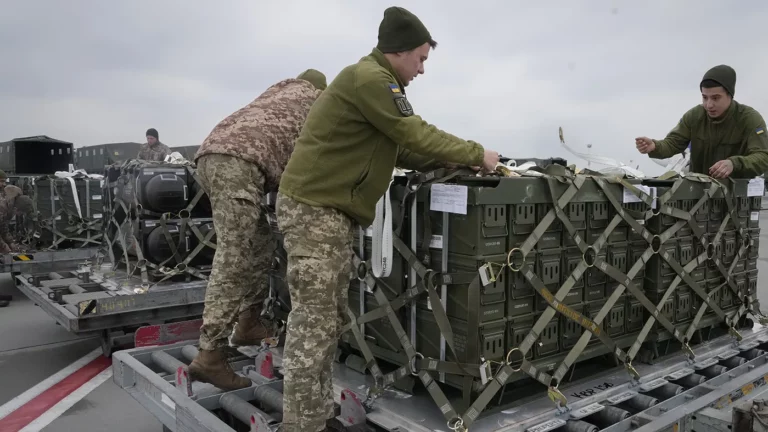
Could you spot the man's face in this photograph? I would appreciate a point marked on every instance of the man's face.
(151, 140)
(715, 100)
(410, 64)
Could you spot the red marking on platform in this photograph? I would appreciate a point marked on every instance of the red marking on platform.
(33, 409)
(267, 370)
(166, 334)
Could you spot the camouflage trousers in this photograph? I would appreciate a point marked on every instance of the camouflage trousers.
(318, 241)
(244, 245)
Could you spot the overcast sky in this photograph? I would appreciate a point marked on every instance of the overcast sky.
(506, 74)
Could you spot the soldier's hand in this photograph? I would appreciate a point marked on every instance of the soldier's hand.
(490, 159)
(645, 145)
(722, 169)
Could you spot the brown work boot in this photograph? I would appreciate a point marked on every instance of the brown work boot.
(250, 329)
(212, 367)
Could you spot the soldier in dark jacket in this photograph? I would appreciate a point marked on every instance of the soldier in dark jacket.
(727, 139)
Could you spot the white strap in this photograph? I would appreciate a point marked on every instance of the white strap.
(77, 199)
(381, 253)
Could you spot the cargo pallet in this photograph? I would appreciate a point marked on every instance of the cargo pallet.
(95, 300)
(45, 260)
(673, 395)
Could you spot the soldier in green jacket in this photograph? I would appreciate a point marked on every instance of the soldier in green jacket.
(727, 139)
(356, 133)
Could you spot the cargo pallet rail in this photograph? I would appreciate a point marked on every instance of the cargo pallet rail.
(111, 304)
(45, 261)
(510, 288)
(673, 395)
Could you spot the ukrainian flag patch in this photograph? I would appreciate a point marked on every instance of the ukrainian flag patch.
(759, 131)
(394, 88)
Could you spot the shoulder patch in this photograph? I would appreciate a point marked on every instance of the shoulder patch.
(394, 88)
(759, 131)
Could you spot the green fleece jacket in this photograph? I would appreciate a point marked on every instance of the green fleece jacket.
(739, 135)
(359, 129)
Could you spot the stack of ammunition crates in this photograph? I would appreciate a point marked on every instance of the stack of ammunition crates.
(68, 212)
(160, 221)
(503, 216)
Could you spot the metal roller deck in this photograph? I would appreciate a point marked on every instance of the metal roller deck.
(110, 304)
(667, 397)
(45, 260)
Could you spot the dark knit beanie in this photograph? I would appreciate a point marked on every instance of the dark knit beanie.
(315, 77)
(400, 30)
(153, 132)
(723, 75)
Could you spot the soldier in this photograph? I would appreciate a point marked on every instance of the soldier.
(3, 179)
(241, 160)
(14, 202)
(359, 129)
(153, 149)
(727, 139)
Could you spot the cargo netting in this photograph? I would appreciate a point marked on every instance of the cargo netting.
(159, 221)
(501, 279)
(68, 212)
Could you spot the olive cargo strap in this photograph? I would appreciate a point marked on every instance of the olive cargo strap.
(428, 279)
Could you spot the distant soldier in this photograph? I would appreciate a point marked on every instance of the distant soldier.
(13, 203)
(3, 179)
(726, 138)
(242, 159)
(153, 149)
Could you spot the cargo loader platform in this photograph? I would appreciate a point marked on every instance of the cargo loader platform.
(110, 304)
(668, 396)
(45, 260)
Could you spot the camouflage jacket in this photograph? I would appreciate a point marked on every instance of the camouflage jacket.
(263, 132)
(157, 152)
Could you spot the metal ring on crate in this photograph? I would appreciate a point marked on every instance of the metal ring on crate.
(184, 214)
(656, 244)
(509, 260)
(432, 278)
(141, 263)
(456, 424)
(412, 363)
(710, 251)
(362, 270)
(522, 357)
(589, 256)
(181, 266)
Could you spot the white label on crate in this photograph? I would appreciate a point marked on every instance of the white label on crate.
(58, 217)
(147, 172)
(436, 242)
(756, 187)
(754, 216)
(180, 172)
(97, 215)
(448, 198)
(150, 223)
(630, 197)
(369, 232)
(166, 400)
(547, 426)
(56, 198)
(96, 197)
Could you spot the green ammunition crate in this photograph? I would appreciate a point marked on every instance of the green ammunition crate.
(391, 285)
(379, 334)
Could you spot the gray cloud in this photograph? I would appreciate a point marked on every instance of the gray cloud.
(506, 74)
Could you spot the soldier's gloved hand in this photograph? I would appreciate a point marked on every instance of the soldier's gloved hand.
(645, 145)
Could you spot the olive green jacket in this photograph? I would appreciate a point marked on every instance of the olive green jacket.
(739, 136)
(359, 129)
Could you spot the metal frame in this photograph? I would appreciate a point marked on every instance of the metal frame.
(45, 261)
(111, 303)
(396, 410)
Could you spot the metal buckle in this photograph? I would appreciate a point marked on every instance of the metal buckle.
(736, 335)
(689, 353)
(632, 371)
(371, 395)
(457, 425)
(558, 398)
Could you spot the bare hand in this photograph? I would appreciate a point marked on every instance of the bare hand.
(722, 169)
(490, 159)
(645, 145)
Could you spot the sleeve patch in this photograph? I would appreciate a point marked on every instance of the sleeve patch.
(759, 131)
(394, 88)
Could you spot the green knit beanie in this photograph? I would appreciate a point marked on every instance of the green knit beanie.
(315, 77)
(400, 30)
(723, 75)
